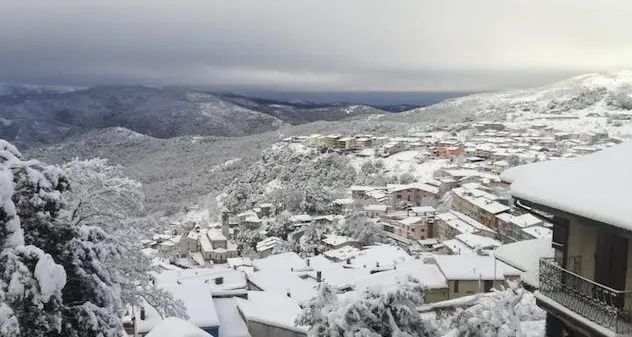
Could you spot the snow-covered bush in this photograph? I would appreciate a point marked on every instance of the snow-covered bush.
(500, 313)
(372, 313)
(361, 228)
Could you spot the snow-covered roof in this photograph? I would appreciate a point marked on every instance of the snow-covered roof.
(232, 279)
(538, 232)
(336, 240)
(198, 302)
(283, 261)
(282, 282)
(176, 327)
(411, 220)
(594, 186)
(376, 208)
(268, 243)
(342, 253)
(526, 220)
(525, 256)
(472, 267)
(428, 242)
(382, 254)
(230, 322)
(473, 240)
(234, 262)
(462, 222)
(216, 235)
(271, 309)
(423, 209)
(428, 274)
(457, 247)
(152, 317)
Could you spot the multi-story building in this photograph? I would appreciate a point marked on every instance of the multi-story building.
(480, 205)
(586, 288)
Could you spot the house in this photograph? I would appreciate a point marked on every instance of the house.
(452, 223)
(198, 303)
(480, 205)
(333, 241)
(499, 166)
(374, 211)
(585, 288)
(141, 319)
(510, 227)
(269, 314)
(231, 324)
(414, 194)
(215, 246)
(342, 205)
(428, 274)
(471, 274)
(264, 247)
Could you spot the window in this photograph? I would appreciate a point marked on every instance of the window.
(456, 286)
(409, 198)
(398, 196)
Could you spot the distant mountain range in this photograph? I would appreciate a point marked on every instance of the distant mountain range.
(37, 115)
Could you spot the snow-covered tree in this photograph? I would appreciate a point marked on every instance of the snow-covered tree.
(310, 244)
(372, 313)
(103, 196)
(363, 229)
(53, 276)
(500, 313)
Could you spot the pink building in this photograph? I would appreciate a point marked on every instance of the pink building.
(413, 228)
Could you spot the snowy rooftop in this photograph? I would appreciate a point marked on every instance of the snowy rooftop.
(428, 274)
(411, 220)
(268, 243)
(457, 247)
(462, 222)
(423, 209)
(342, 253)
(300, 218)
(526, 255)
(336, 240)
(176, 327)
(216, 235)
(230, 322)
(284, 261)
(282, 282)
(232, 279)
(376, 208)
(473, 240)
(384, 255)
(472, 267)
(258, 307)
(198, 302)
(539, 232)
(595, 186)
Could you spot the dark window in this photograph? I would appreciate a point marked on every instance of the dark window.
(456, 286)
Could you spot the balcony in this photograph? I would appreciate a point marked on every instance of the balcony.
(605, 306)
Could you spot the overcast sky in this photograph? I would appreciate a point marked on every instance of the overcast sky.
(313, 44)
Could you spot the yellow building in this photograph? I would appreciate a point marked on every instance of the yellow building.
(586, 288)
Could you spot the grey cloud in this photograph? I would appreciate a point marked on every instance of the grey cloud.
(313, 44)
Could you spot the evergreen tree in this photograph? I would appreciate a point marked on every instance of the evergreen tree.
(53, 276)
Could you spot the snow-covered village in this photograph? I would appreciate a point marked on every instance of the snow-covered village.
(322, 168)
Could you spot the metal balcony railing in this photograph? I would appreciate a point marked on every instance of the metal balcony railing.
(603, 305)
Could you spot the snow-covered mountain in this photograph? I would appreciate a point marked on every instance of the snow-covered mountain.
(587, 102)
(33, 115)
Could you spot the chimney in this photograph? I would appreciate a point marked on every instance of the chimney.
(307, 261)
(377, 264)
(288, 293)
(219, 280)
(348, 261)
(319, 276)
(142, 313)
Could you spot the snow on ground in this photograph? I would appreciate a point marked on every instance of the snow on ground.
(300, 148)
(404, 162)
(224, 164)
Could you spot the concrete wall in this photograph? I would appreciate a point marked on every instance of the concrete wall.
(469, 287)
(257, 329)
(436, 295)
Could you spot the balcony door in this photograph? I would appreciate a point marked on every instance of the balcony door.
(611, 261)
